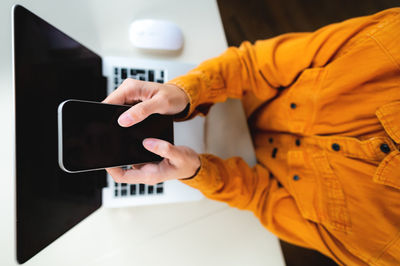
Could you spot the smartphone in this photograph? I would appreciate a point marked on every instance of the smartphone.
(90, 138)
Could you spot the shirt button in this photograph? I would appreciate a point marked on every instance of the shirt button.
(293, 105)
(385, 148)
(271, 175)
(274, 151)
(271, 140)
(335, 147)
(296, 177)
(297, 142)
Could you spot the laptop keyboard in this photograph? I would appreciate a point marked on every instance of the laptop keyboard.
(154, 75)
(131, 190)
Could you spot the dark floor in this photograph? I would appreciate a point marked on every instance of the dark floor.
(261, 19)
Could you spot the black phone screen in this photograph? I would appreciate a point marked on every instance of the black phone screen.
(91, 137)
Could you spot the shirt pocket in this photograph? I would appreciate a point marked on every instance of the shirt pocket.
(388, 174)
(319, 193)
(331, 209)
(388, 171)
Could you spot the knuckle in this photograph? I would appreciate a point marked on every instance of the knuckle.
(131, 83)
(188, 151)
(186, 155)
(167, 147)
(120, 178)
(162, 94)
(168, 103)
(128, 81)
(117, 179)
(149, 180)
(178, 160)
(140, 111)
(152, 182)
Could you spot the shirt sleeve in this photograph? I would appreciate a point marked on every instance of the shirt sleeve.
(253, 188)
(268, 65)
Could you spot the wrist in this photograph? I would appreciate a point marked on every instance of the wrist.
(193, 176)
(183, 113)
(181, 100)
(196, 172)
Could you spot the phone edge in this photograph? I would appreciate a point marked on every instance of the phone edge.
(60, 139)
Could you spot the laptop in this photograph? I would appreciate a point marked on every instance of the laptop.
(50, 67)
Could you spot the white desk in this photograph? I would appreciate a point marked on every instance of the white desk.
(197, 233)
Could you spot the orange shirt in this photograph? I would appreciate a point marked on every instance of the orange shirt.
(324, 113)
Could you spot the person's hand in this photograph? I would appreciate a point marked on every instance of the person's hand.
(179, 162)
(154, 97)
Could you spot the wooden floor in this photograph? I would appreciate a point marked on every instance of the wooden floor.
(261, 19)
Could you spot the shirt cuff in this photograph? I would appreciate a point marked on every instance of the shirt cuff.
(189, 84)
(202, 181)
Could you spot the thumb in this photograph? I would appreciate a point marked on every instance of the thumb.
(138, 112)
(161, 147)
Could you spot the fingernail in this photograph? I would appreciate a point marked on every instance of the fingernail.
(149, 143)
(125, 119)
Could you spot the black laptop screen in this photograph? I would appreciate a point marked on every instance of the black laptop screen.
(50, 67)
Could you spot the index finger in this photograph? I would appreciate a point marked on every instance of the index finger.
(125, 93)
(149, 173)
